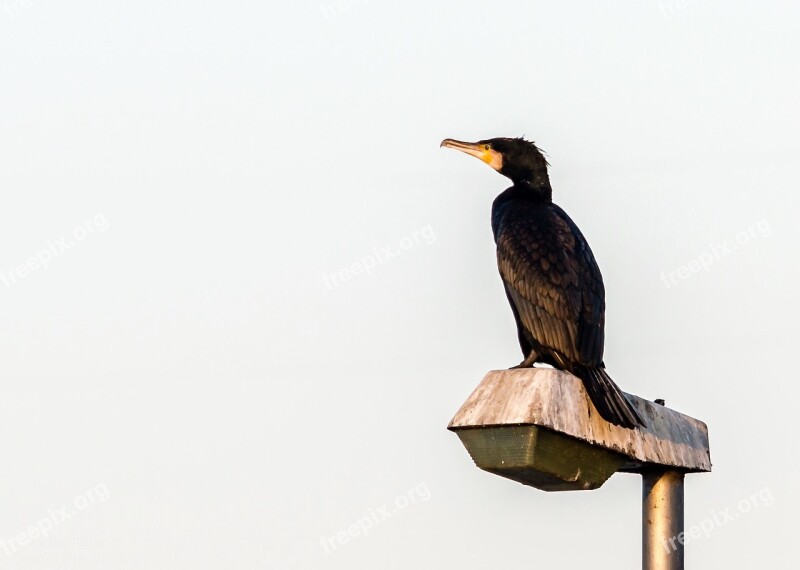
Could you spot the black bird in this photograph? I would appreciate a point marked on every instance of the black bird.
(551, 278)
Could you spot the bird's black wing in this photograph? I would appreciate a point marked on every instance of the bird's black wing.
(553, 282)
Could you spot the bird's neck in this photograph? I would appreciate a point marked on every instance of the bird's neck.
(537, 190)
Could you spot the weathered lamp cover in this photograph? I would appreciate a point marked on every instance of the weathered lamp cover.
(537, 426)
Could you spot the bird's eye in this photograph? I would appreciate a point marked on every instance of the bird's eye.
(487, 147)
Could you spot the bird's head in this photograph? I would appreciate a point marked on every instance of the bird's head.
(515, 158)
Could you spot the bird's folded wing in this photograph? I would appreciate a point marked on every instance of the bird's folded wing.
(554, 282)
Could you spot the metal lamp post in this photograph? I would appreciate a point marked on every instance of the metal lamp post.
(537, 426)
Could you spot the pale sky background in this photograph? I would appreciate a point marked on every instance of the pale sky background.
(189, 384)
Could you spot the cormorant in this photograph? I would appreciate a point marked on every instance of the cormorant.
(550, 275)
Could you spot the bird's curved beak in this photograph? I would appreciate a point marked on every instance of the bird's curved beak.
(479, 150)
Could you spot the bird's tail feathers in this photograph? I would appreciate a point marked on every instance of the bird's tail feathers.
(612, 405)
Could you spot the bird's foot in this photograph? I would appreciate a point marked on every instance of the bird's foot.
(528, 362)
